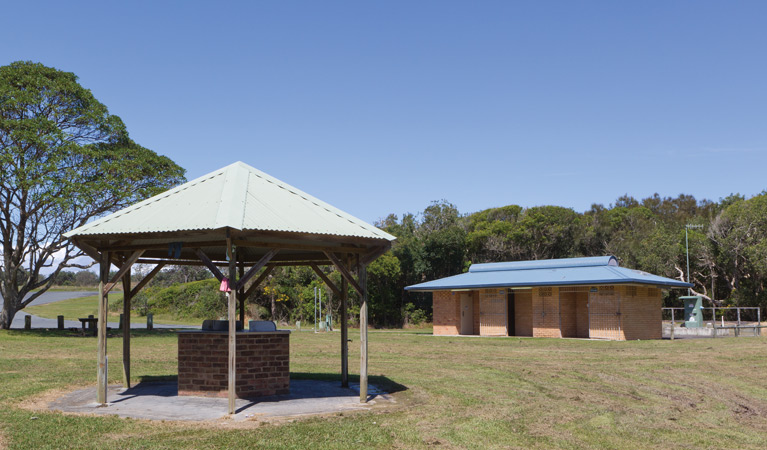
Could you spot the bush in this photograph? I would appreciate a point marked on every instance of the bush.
(414, 315)
(198, 299)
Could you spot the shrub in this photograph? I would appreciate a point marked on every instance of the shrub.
(198, 299)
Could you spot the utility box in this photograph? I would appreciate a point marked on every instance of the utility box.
(693, 315)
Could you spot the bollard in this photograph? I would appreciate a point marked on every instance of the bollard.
(149, 321)
(60, 322)
(27, 322)
(672, 324)
(298, 325)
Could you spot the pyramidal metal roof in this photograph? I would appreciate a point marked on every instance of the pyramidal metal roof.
(549, 272)
(237, 196)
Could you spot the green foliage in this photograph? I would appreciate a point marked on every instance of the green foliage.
(199, 299)
(414, 315)
(740, 234)
(383, 275)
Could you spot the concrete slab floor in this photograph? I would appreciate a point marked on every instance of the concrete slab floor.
(160, 401)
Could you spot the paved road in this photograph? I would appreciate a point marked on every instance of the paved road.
(57, 296)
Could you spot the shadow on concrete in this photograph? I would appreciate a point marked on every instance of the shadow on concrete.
(167, 386)
(159, 400)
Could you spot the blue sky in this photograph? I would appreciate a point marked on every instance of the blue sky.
(383, 107)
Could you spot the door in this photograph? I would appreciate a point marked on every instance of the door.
(467, 314)
(492, 312)
(605, 313)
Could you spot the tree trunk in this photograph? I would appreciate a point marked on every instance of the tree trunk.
(9, 311)
(274, 309)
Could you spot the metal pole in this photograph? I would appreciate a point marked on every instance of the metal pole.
(687, 248)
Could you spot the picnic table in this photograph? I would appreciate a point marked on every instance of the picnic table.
(92, 323)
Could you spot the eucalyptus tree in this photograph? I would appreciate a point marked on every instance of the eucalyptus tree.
(65, 160)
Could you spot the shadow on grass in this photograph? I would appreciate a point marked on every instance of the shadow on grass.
(157, 378)
(381, 382)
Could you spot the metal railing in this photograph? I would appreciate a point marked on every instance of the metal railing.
(736, 318)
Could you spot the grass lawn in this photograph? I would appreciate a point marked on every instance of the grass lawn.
(455, 393)
(75, 308)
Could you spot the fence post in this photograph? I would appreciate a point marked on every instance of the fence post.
(673, 325)
(27, 322)
(713, 319)
(149, 321)
(737, 329)
(60, 322)
(759, 319)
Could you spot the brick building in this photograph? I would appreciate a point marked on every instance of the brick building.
(575, 297)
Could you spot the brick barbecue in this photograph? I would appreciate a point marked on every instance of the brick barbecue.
(262, 367)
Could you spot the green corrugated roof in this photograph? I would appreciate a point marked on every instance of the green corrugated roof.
(237, 196)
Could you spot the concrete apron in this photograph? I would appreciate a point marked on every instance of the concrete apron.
(160, 401)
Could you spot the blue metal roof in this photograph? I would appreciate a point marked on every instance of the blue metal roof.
(550, 272)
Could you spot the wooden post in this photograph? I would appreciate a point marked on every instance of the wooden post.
(737, 330)
(759, 319)
(344, 335)
(126, 328)
(241, 295)
(60, 323)
(713, 320)
(149, 321)
(27, 322)
(232, 306)
(101, 379)
(363, 278)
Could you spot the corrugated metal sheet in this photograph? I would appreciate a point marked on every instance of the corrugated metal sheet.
(237, 196)
(555, 272)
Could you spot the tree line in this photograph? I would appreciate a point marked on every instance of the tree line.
(727, 248)
(727, 244)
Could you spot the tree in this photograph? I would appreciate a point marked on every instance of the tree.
(65, 160)
(740, 234)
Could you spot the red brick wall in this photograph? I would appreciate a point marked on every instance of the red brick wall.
(262, 368)
(641, 312)
(446, 313)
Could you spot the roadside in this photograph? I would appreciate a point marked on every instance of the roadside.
(75, 304)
